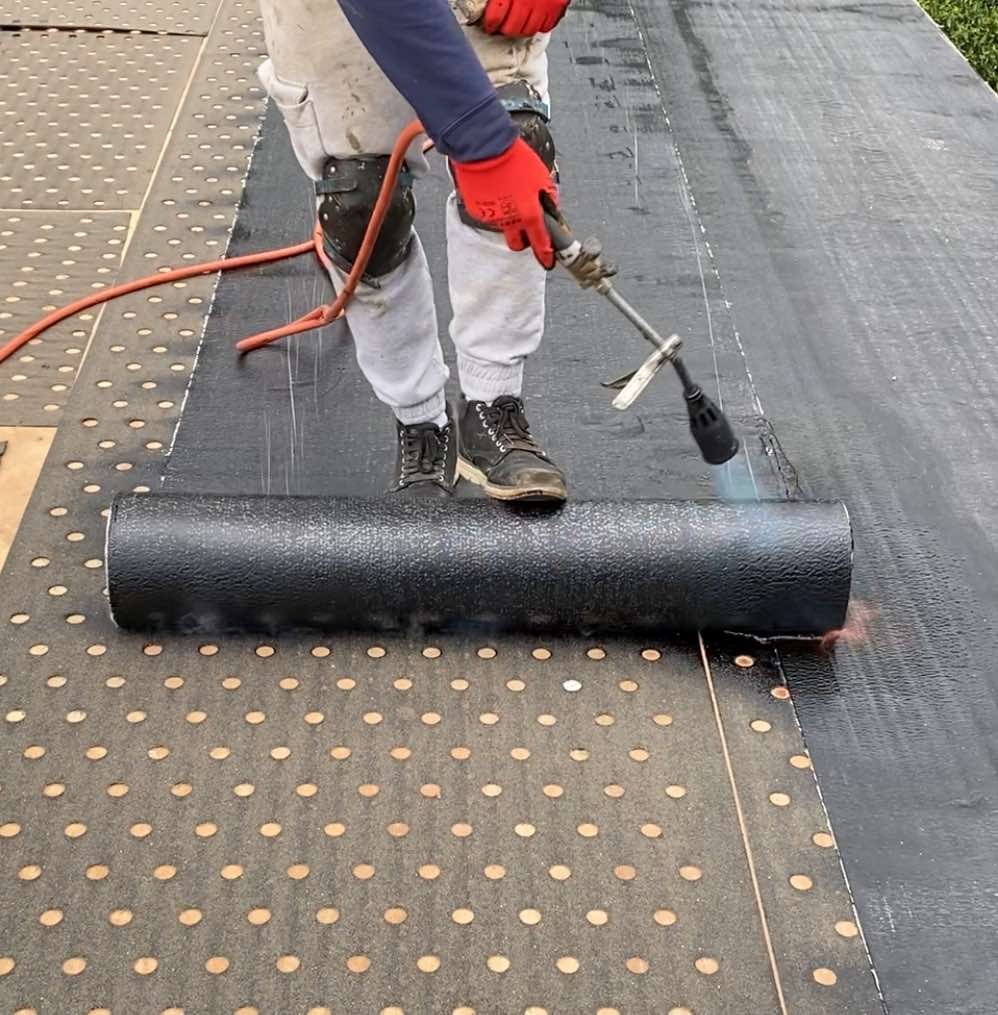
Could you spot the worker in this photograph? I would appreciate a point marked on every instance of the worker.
(348, 76)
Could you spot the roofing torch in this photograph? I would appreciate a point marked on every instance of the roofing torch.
(585, 261)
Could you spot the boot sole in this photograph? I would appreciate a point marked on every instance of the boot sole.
(537, 493)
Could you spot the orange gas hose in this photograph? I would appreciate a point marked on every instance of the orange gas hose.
(314, 319)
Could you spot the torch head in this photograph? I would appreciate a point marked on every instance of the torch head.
(711, 429)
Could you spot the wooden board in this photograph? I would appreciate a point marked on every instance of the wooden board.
(20, 465)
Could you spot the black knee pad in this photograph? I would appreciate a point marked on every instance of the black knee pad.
(531, 115)
(349, 190)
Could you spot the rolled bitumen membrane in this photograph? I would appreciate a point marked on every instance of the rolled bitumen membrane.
(201, 564)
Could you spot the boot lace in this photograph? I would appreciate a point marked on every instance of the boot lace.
(424, 452)
(507, 425)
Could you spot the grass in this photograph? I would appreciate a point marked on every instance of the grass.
(973, 27)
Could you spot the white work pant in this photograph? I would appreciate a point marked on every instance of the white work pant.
(336, 102)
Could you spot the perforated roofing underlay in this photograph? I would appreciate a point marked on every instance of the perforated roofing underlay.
(83, 115)
(49, 258)
(186, 17)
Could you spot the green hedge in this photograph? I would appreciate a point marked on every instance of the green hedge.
(973, 27)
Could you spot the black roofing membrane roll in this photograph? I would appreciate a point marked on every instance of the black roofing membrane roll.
(201, 563)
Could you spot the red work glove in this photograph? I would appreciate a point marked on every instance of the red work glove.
(506, 192)
(521, 18)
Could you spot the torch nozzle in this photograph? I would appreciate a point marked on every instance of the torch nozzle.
(710, 428)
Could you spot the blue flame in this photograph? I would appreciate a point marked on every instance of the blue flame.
(734, 481)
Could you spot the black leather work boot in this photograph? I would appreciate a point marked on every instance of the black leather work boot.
(426, 462)
(498, 453)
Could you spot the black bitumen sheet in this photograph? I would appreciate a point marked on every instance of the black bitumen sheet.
(843, 162)
(831, 228)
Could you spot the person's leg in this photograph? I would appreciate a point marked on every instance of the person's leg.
(498, 300)
(497, 294)
(339, 107)
(343, 118)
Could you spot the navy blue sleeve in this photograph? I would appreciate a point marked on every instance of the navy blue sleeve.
(423, 52)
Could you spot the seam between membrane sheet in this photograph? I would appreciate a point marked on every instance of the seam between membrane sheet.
(742, 827)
